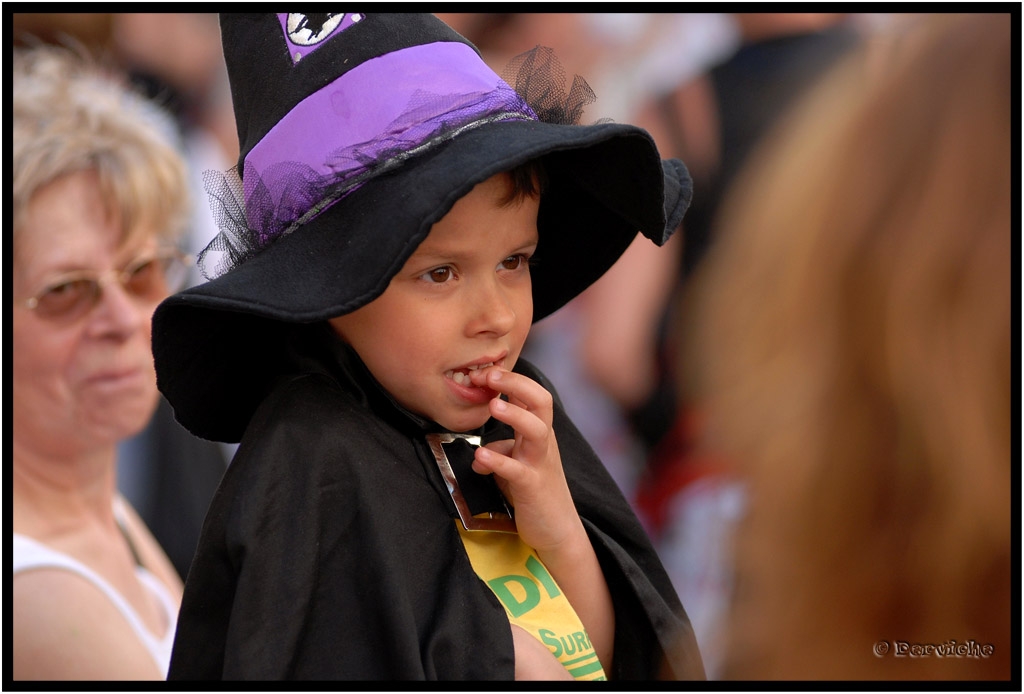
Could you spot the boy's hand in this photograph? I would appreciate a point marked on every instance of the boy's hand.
(533, 659)
(528, 468)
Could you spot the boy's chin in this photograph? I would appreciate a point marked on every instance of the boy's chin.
(465, 423)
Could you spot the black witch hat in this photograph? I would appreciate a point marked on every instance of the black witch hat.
(357, 132)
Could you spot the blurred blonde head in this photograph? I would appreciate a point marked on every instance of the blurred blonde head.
(853, 328)
(98, 183)
(71, 115)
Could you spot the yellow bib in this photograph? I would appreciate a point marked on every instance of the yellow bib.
(532, 599)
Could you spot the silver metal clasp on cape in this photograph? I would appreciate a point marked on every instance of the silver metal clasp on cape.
(497, 522)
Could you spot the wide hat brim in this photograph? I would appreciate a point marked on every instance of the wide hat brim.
(217, 346)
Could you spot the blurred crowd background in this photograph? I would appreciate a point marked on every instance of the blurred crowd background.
(711, 89)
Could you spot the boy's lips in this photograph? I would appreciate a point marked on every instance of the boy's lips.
(469, 393)
(459, 382)
(460, 375)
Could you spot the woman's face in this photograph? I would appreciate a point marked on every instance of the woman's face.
(85, 379)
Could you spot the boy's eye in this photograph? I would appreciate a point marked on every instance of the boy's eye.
(439, 275)
(513, 262)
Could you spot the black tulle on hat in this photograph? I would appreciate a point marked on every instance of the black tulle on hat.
(357, 132)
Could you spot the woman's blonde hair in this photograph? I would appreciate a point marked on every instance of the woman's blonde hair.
(853, 328)
(70, 115)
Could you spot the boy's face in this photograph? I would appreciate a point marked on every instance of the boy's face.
(462, 300)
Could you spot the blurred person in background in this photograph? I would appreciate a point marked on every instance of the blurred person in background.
(717, 117)
(100, 200)
(174, 59)
(853, 348)
(177, 60)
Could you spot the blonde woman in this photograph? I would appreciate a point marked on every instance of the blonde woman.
(99, 201)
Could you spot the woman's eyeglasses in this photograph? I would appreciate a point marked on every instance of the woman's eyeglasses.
(150, 277)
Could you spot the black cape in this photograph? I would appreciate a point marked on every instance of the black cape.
(330, 551)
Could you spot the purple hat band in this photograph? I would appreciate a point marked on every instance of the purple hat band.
(366, 122)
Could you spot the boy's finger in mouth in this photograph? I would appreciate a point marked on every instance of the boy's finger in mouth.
(488, 377)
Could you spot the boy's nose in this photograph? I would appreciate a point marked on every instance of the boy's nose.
(493, 311)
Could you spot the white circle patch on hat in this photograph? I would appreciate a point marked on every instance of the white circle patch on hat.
(307, 31)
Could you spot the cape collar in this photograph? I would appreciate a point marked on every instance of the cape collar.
(477, 499)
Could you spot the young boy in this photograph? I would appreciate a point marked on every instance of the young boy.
(409, 500)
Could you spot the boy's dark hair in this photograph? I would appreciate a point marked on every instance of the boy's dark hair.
(529, 180)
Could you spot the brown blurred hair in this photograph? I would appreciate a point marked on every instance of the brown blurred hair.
(853, 331)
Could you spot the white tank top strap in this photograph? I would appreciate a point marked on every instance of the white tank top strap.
(30, 554)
